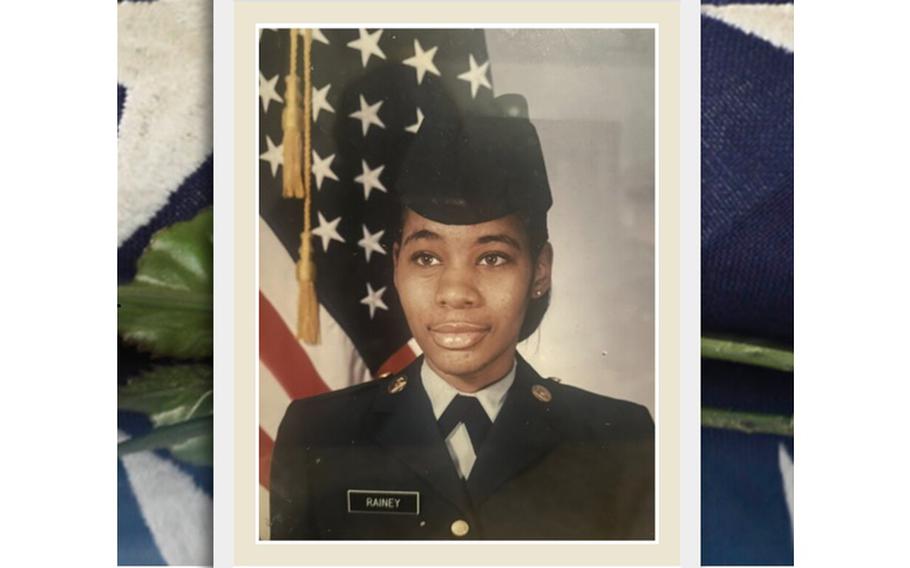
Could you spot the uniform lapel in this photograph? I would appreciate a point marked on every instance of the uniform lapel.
(407, 429)
(520, 436)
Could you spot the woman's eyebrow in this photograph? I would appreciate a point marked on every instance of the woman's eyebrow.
(499, 238)
(421, 234)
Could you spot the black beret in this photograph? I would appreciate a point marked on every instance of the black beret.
(463, 169)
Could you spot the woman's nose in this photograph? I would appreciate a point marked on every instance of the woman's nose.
(457, 288)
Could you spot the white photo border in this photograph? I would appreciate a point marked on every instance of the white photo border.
(227, 549)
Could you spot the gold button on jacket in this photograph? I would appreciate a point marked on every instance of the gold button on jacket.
(460, 528)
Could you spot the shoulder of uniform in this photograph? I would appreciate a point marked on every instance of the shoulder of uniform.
(347, 393)
(600, 409)
(333, 404)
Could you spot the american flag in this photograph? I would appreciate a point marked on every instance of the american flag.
(372, 90)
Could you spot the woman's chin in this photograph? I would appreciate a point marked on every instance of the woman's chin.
(461, 363)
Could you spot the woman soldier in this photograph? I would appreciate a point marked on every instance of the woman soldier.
(468, 442)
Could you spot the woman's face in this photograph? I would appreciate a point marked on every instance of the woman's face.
(464, 290)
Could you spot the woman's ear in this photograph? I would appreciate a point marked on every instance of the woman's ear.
(543, 269)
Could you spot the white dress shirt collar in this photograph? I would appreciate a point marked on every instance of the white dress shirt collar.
(441, 393)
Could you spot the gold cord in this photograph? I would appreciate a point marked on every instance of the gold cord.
(308, 305)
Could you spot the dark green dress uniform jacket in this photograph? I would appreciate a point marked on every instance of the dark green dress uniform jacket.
(366, 462)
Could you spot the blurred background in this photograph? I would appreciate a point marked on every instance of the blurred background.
(591, 97)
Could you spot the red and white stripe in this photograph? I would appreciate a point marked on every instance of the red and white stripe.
(290, 369)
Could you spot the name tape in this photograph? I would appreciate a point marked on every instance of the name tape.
(378, 501)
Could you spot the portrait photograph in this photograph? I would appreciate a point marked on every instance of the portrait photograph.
(455, 288)
(477, 359)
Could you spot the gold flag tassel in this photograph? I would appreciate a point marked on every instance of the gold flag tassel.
(297, 182)
(293, 181)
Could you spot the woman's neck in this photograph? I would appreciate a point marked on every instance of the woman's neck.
(480, 379)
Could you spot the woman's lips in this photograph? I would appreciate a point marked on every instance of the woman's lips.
(458, 335)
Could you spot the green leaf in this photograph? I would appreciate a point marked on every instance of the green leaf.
(747, 422)
(167, 308)
(169, 394)
(747, 351)
(178, 400)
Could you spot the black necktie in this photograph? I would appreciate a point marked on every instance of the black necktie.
(467, 410)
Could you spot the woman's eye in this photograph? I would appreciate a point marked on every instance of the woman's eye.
(494, 259)
(424, 259)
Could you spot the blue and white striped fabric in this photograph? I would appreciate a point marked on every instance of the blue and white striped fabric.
(747, 272)
(164, 175)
